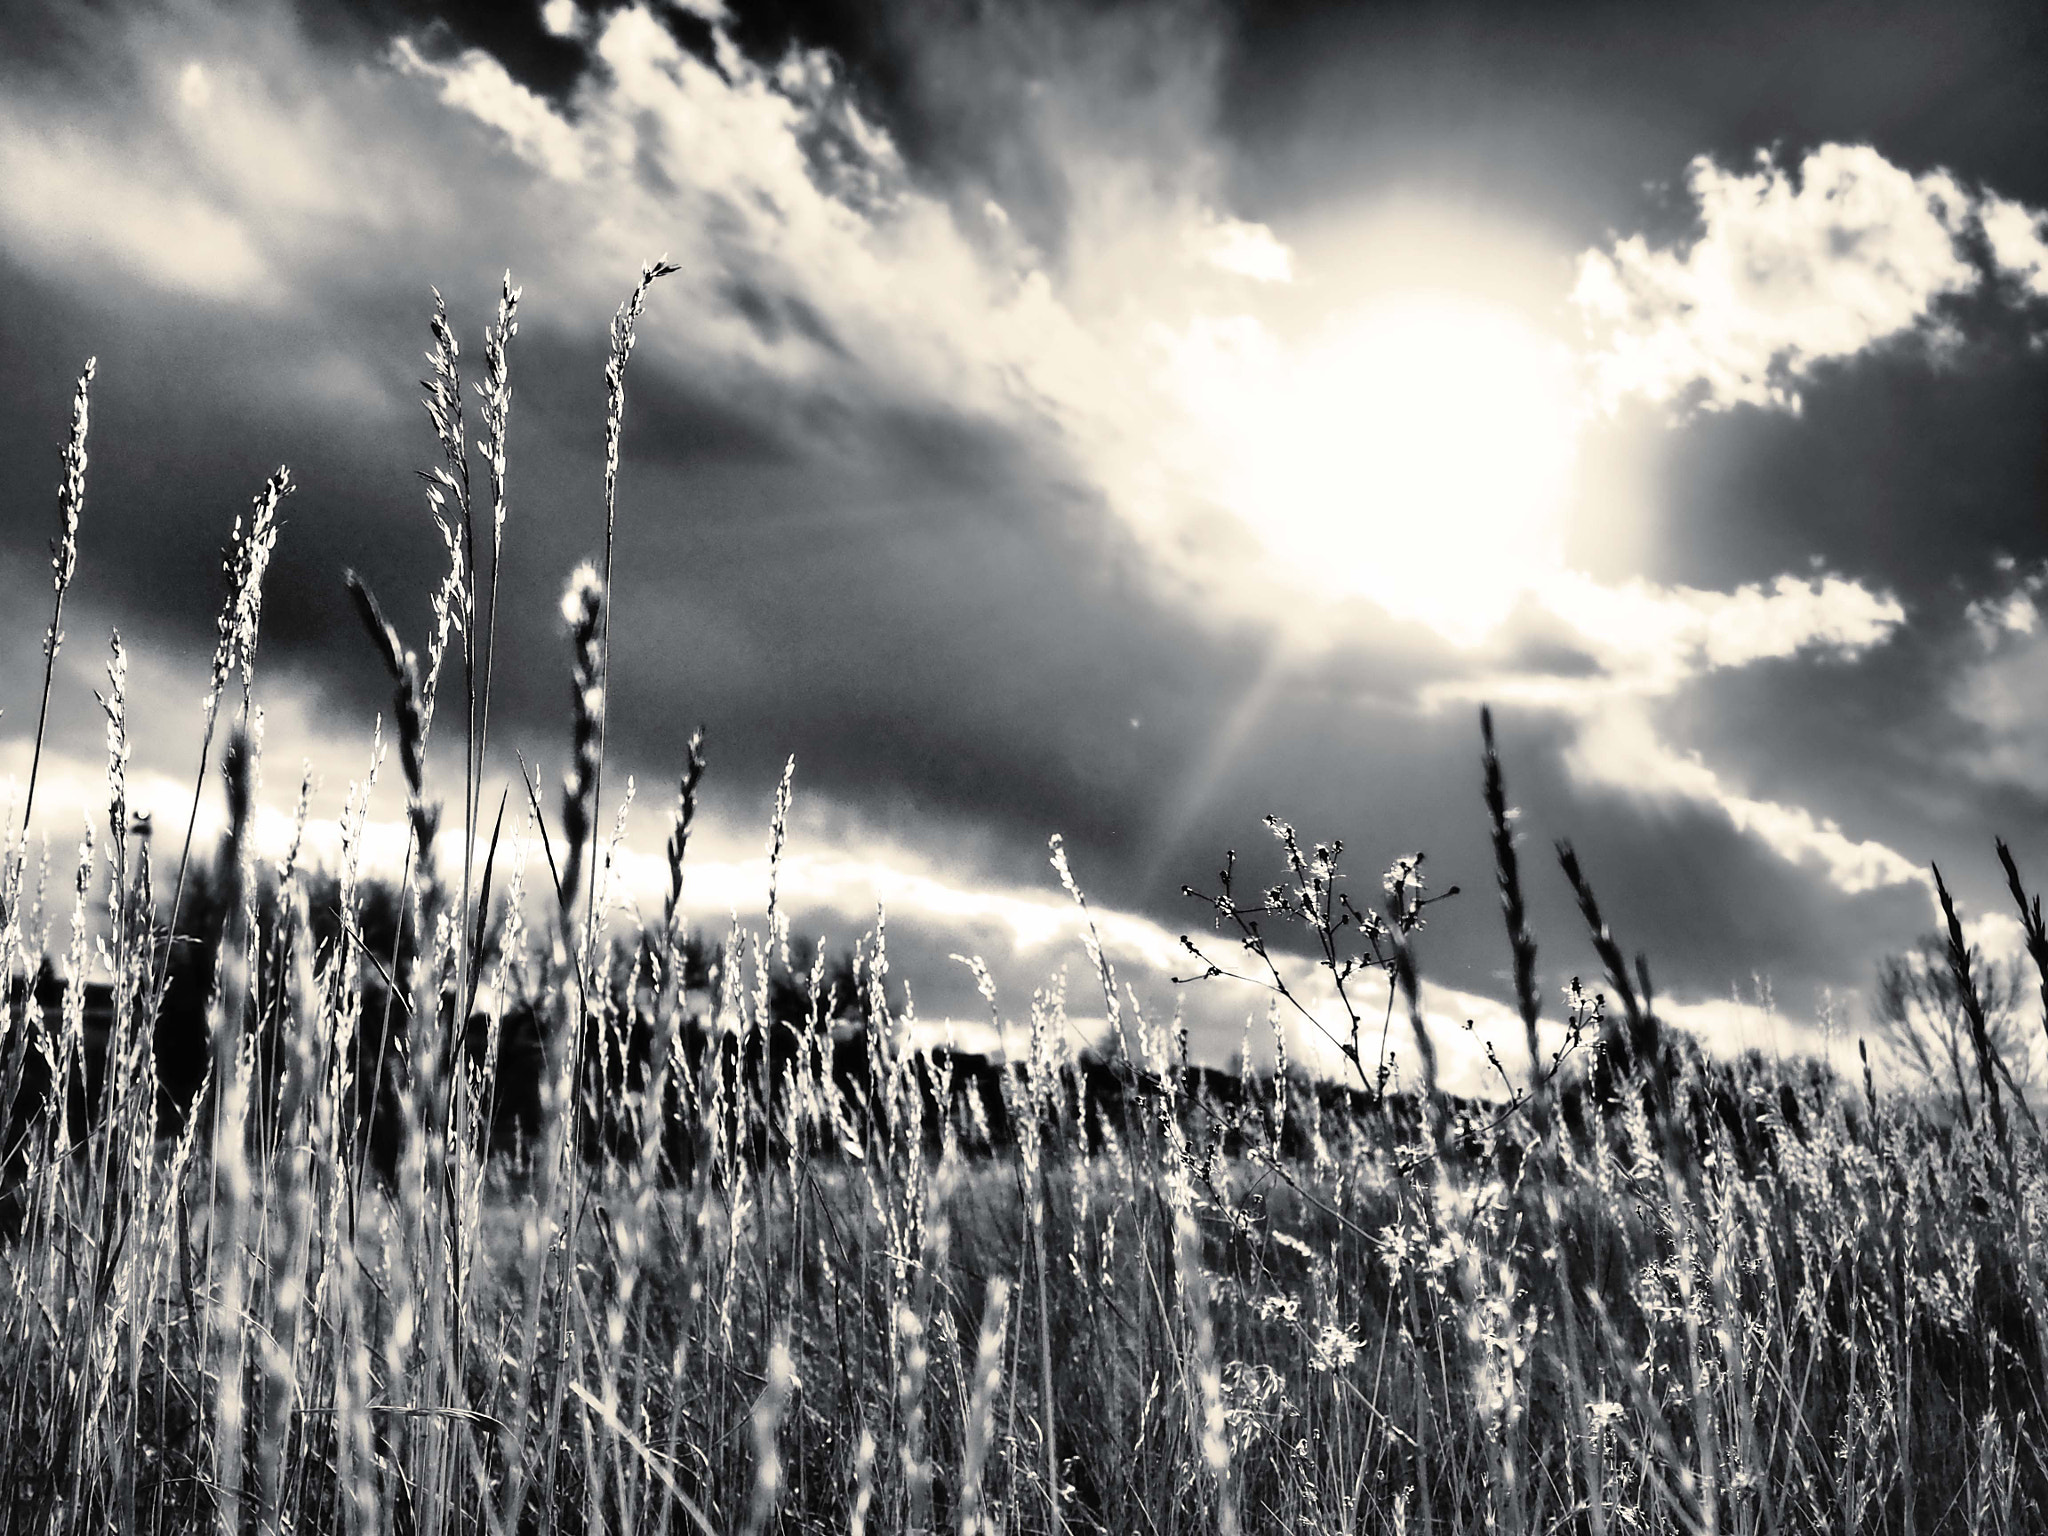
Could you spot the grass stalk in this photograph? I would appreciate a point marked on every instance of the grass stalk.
(63, 567)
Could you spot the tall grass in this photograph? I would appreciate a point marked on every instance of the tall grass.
(761, 1266)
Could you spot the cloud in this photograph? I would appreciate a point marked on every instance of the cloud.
(810, 250)
(2018, 245)
(480, 86)
(203, 154)
(1791, 269)
(742, 136)
(1619, 750)
(1997, 690)
(1638, 640)
(1994, 617)
(1650, 639)
(61, 199)
(1643, 642)
(243, 166)
(1249, 250)
(817, 262)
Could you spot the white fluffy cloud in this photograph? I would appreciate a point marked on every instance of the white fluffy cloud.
(810, 251)
(1647, 641)
(767, 179)
(1791, 269)
(2018, 243)
(1650, 639)
(246, 167)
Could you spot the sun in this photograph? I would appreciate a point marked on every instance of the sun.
(1416, 451)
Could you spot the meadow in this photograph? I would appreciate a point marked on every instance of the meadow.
(445, 1201)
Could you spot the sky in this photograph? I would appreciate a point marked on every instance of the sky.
(1122, 422)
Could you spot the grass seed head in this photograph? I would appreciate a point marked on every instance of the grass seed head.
(71, 495)
(582, 611)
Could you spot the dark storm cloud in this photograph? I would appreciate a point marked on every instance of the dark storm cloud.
(1565, 113)
(1913, 472)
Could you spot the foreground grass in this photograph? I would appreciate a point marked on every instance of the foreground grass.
(1826, 1318)
(725, 1284)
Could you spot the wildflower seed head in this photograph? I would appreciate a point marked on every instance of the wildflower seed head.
(1404, 872)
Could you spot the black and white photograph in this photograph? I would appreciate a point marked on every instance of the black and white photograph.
(1023, 767)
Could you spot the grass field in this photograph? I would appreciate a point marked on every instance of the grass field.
(770, 1269)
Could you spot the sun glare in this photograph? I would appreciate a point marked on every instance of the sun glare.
(1417, 452)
